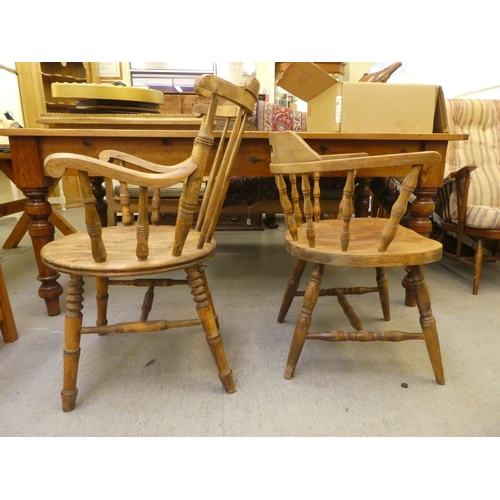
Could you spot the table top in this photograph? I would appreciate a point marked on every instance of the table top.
(126, 121)
(46, 132)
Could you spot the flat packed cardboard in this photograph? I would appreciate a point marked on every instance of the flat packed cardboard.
(364, 107)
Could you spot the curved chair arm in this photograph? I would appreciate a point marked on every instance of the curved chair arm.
(135, 162)
(57, 163)
(292, 155)
(342, 155)
(357, 163)
(460, 173)
(463, 172)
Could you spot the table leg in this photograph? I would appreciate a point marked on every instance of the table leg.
(422, 209)
(363, 194)
(42, 231)
(20, 229)
(101, 204)
(22, 226)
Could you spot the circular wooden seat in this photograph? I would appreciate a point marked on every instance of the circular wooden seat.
(72, 254)
(407, 249)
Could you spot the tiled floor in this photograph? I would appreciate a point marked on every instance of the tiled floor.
(166, 384)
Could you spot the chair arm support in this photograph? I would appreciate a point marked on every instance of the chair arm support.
(462, 179)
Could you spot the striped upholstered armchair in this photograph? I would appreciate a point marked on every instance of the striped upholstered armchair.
(470, 197)
(467, 215)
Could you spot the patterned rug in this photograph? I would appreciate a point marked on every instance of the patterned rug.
(271, 117)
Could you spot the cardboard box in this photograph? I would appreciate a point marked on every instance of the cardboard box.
(365, 107)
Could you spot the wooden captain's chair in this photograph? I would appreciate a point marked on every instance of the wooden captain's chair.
(7, 322)
(357, 243)
(132, 255)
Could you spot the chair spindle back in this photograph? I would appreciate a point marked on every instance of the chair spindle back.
(290, 155)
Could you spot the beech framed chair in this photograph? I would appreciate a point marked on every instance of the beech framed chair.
(351, 243)
(131, 254)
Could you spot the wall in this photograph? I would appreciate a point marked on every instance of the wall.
(482, 83)
(355, 70)
(265, 74)
(9, 101)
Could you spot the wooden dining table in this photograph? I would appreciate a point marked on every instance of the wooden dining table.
(30, 147)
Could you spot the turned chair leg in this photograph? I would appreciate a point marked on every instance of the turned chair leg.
(383, 292)
(270, 221)
(427, 322)
(304, 320)
(206, 312)
(209, 296)
(71, 356)
(291, 289)
(478, 265)
(147, 303)
(102, 301)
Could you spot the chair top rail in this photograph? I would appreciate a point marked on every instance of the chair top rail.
(245, 97)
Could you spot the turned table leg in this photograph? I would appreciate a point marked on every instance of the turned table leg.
(42, 231)
(363, 194)
(421, 212)
(101, 203)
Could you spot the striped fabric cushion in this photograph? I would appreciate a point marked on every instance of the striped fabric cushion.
(483, 217)
(480, 216)
(481, 120)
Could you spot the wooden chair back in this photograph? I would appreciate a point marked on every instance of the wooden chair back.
(381, 76)
(152, 177)
(290, 155)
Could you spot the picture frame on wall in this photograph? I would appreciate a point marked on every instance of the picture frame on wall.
(110, 71)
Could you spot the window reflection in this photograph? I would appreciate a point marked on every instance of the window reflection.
(179, 77)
